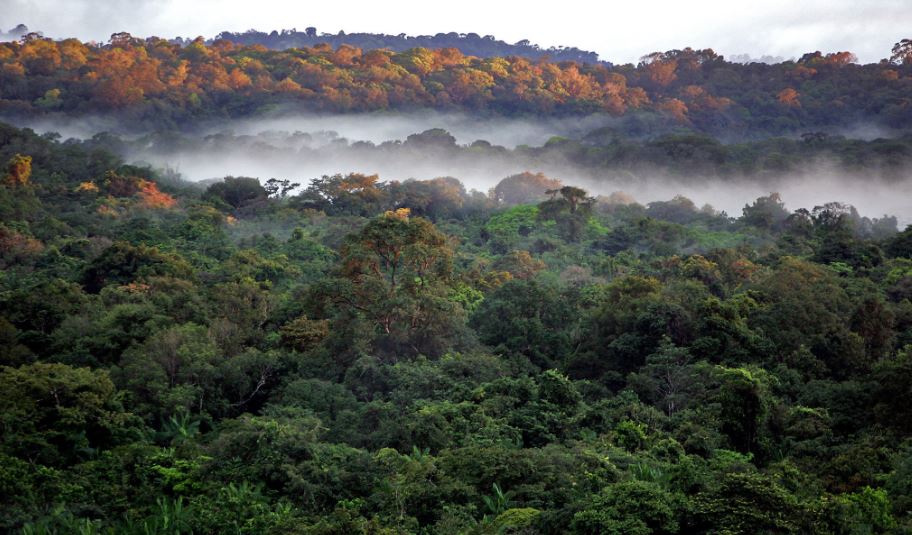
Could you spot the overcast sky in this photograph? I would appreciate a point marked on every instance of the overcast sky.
(617, 31)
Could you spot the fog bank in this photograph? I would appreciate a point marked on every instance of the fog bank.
(301, 147)
(303, 157)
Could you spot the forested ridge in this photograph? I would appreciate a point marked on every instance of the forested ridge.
(363, 355)
(164, 84)
(471, 44)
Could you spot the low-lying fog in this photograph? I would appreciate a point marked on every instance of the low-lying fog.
(380, 127)
(375, 127)
(872, 197)
(303, 147)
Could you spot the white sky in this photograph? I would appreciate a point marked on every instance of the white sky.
(618, 31)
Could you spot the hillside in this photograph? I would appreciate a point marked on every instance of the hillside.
(159, 84)
(368, 356)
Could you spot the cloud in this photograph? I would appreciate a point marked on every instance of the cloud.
(619, 32)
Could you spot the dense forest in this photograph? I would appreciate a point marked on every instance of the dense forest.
(220, 315)
(354, 355)
(161, 84)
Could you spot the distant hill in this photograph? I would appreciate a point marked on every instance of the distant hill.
(470, 44)
(157, 82)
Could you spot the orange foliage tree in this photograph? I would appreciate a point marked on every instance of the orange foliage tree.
(789, 97)
(19, 170)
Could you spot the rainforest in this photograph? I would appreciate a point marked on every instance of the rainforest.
(302, 283)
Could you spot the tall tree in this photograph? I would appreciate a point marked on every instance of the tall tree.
(571, 208)
(395, 275)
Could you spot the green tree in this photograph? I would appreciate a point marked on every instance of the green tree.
(629, 507)
(743, 401)
(523, 188)
(352, 194)
(746, 503)
(123, 263)
(667, 378)
(239, 193)
(900, 245)
(396, 275)
(766, 212)
(55, 414)
(571, 210)
(528, 318)
(174, 370)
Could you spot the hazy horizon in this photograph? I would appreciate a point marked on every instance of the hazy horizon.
(622, 34)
